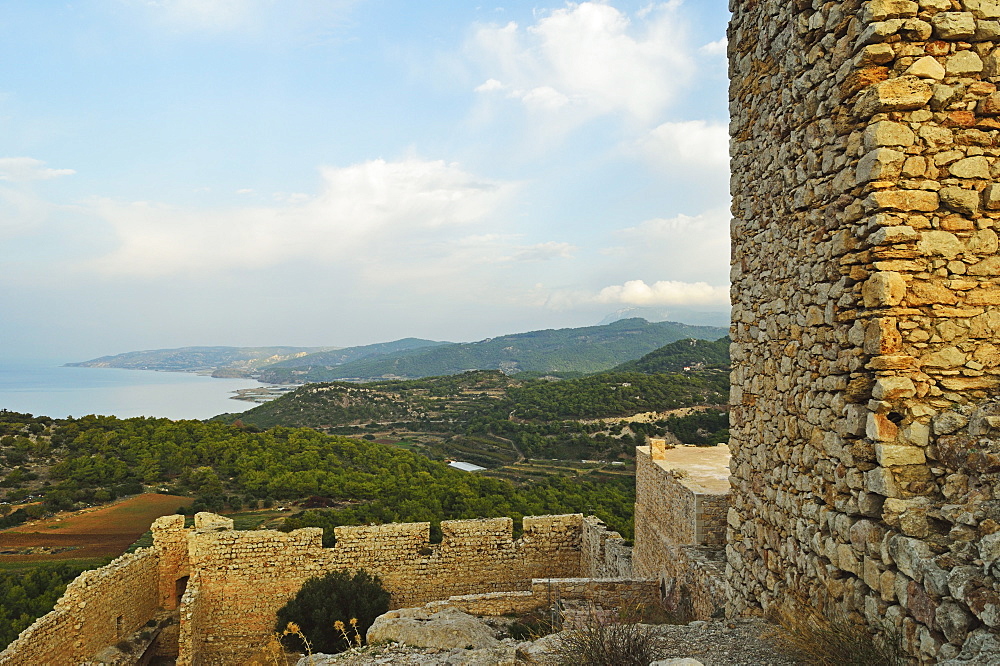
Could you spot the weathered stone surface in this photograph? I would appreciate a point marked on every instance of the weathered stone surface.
(960, 200)
(888, 133)
(927, 68)
(963, 63)
(446, 628)
(954, 25)
(880, 164)
(885, 288)
(942, 243)
(892, 454)
(971, 167)
(899, 94)
(983, 9)
(903, 200)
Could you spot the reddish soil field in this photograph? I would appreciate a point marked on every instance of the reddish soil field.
(105, 531)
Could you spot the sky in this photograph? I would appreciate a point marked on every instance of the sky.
(344, 172)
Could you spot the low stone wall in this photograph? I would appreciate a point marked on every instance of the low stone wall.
(98, 609)
(611, 593)
(695, 581)
(605, 554)
(245, 577)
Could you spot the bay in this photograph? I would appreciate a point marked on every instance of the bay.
(45, 388)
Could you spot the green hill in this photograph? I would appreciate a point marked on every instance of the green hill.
(584, 350)
(681, 355)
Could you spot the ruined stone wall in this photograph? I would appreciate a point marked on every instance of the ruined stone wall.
(866, 304)
(243, 578)
(668, 513)
(604, 553)
(611, 593)
(99, 608)
(679, 536)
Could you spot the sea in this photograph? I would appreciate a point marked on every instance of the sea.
(47, 388)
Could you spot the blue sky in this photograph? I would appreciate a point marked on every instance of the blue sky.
(340, 172)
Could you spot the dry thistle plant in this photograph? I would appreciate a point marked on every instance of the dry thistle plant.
(294, 630)
(352, 641)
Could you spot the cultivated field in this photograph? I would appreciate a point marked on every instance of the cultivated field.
(105, 531)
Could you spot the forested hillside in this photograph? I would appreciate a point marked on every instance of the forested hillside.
(71, 463)
(681, 355)
(583, 350)
(492, 419)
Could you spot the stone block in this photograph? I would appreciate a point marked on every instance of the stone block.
(884, 289)
(954, 25)
(971, 167)
(903, 93)
(893, 388)
(963, 63)
(941, 243)
(880, 164)
(960, 200)
(886, 133)
(903, 200)
(926, 68)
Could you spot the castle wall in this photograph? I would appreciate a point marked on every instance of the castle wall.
(98, 609)
(866, 303)
(605, 554)
(243, 578)
(679, 530)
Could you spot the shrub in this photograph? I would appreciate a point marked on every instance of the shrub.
(337, 596)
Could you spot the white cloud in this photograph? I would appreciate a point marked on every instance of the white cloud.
(691, 248)
(693, 143)
(718, 47)
(364, 214)
(22, 169)
(666, 292)
(544, 252)
(590, 57)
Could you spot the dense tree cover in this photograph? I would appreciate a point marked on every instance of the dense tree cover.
(609, 498)
(677, 356)
(608, 395)
(27, 595)
(701, 428)
(95, 458)
(330, 403)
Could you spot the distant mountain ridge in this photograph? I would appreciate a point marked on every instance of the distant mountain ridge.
(197, 359)
(568, 350)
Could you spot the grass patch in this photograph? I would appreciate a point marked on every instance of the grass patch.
(808, 636)
(82, 563)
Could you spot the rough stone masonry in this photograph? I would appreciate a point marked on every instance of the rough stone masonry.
(866, 311)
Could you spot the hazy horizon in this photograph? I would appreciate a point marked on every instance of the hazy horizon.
(341, 172)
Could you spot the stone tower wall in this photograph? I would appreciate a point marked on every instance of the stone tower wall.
(866, 307)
